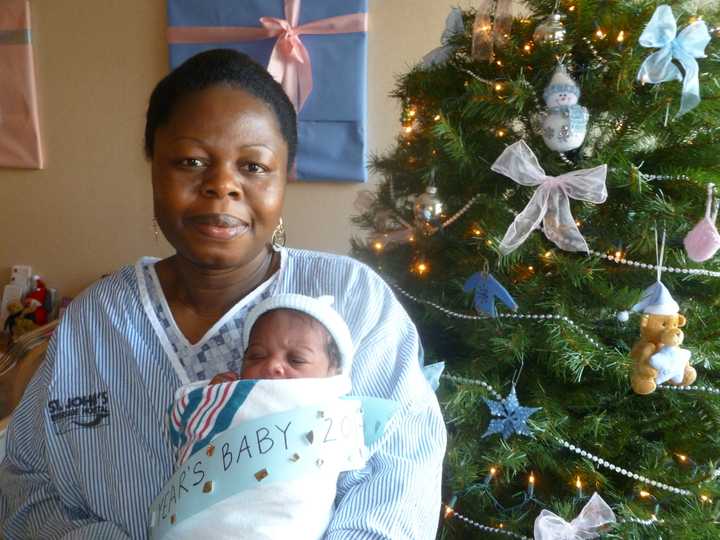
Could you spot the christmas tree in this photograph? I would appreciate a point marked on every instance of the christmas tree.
(547, 218)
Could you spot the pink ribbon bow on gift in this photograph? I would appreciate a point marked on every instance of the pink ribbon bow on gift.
(290, 61)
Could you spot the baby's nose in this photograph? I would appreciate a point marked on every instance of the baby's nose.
(274, 368)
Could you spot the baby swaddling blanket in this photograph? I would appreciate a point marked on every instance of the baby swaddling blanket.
(260, 458)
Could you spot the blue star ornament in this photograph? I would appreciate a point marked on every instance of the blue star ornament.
(511, 416)
(487, 289)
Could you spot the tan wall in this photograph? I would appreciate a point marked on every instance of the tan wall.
(90, 210)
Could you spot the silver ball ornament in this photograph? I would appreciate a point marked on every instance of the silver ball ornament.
(428, 207)
(550, 30)
(623, 316)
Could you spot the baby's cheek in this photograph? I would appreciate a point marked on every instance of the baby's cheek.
(252, 370)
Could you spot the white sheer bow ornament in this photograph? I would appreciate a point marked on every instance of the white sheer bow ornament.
(550, 204)
(593, 519)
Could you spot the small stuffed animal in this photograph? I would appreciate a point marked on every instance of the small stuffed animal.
(657, 355)
(672, 362)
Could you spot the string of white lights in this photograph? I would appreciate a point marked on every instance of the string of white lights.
(620, 470)
(485, 528)
(648, 266)
(532, 316)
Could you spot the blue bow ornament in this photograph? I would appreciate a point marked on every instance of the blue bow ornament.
(661, 32)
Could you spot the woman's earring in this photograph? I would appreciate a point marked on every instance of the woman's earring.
(156, 230)
(279, 236)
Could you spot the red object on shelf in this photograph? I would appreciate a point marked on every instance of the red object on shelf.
(36, 299)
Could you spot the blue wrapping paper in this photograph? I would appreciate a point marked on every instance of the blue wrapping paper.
(332, 123)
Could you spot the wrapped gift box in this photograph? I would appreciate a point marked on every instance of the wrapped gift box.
(19, 126)
(332, 121)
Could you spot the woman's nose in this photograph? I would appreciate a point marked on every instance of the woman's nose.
(221, 181)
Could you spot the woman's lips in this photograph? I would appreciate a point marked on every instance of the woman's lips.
(218, 226)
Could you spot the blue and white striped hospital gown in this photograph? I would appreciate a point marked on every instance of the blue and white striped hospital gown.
(88, 447)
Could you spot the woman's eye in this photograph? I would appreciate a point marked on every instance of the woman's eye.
(192, 163)
(255, 168)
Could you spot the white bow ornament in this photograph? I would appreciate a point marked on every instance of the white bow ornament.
(593, 519)
(550, 204)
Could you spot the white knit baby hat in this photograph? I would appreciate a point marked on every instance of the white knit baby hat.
(319, 308)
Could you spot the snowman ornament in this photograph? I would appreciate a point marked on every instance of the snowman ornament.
(564, 122)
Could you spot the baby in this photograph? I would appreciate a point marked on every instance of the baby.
(286, 344)
(298, 354)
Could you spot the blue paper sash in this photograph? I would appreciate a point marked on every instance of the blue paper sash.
(275, 448)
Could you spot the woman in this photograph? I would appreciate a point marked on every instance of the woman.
(87, 448)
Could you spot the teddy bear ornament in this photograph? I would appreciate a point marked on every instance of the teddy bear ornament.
(658, 356)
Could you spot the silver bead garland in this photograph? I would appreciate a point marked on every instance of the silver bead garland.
(596, 55)
(647, 266)
(603, 463)
(465, 380)
(485, 528)
(565, 159)
(459, 213)
(532, 316)
(706, 389)
(644, 522)
(678, 177)
(584, 453)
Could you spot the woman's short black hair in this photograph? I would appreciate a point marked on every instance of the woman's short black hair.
(220, 67)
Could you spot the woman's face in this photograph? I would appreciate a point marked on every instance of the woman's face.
(219, 170)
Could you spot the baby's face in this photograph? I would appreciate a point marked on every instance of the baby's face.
(286, 345)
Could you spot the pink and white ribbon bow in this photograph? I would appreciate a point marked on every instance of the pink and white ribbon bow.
(593, 518)
(550, 204)
(290, 61)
